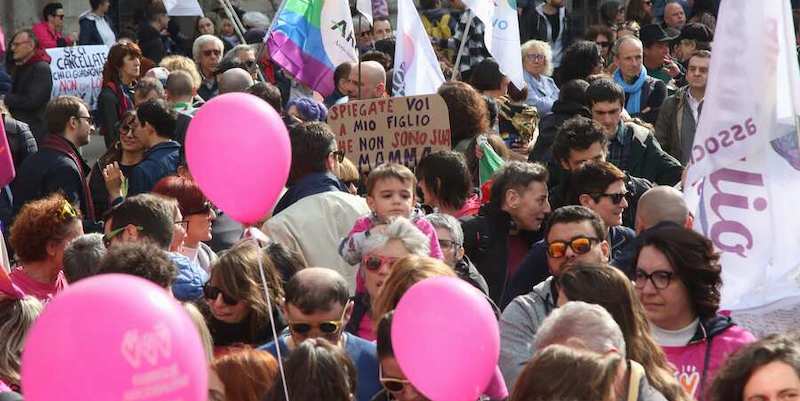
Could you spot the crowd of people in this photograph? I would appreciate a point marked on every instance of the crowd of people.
(580, 237)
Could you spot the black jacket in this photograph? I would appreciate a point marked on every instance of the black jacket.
(486, 244)
(533, 25)
(50, 171)
(151, 43)
(20, 140)
(30, 92)
(654, 92)
(89, 35)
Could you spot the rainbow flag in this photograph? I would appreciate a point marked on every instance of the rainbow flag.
(310, 38)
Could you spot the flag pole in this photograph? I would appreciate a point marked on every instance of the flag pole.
(464, 39)
(239, 27)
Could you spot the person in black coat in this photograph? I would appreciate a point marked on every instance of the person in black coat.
(58, 166)
(19, 136)
(32, 82)
(152, 31)
(571, 102)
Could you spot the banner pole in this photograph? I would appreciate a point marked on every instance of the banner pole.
(464, 39)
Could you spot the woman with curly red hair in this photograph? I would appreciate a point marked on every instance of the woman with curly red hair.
(197, 212)
(41, 231)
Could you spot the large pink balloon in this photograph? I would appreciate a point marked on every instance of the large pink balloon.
(446, 339)
(239, 153)
(114, 337)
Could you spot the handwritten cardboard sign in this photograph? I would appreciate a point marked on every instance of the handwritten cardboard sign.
(391, 130)
(78, 71)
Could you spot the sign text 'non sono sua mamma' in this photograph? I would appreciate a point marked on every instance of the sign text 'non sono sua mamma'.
(391, 130)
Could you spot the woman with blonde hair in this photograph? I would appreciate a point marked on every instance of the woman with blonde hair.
(537, 60)
(238, 312)
(560, 372)
(16, 318)
(347, 172)
(248, 374)
(608, 287)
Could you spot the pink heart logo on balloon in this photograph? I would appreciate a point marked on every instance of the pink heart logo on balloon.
(137, 346)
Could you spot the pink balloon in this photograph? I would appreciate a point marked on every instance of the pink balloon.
(239, 153)
(114, 337)
(446, 339)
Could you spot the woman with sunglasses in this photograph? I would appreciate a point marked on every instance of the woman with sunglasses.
(678, 280)
(124, 155)
(537, 60)
(600, 284)
(197, 213)
(41, 231)
(120, 72)
(395, 384)
(237, 310)
(380, 252)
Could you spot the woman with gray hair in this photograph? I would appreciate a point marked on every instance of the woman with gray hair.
(384, 246)
(16, 318)
(538, 66)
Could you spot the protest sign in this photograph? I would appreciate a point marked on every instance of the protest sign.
(78, 71)
(390, 130)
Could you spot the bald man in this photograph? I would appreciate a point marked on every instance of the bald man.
(674, 16)
(317, 305)
(372, 83)
(662, 204)
(234, 80)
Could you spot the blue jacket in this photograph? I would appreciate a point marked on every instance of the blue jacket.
(534, 269)
(159, 161)
(188, 285)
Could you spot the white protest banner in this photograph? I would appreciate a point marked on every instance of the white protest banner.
(78, 71)
(745, 182)
(501, 35)
(183, 8)
(390, 130)
(416, 68)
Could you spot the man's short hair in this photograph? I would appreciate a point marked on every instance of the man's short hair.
(316, 295)
(515, 175)
(446, 175)
(159, 115)
(234, 80)
(94, 4)
(150, 84)
(149, 212)
(268, 93)
(82, 256)
(574, 91)
(179, 84)
(576, 214)
(342, 72)
(315, 141)
(700, 54)
(590, 324)
(233, 54)
(605, 90)
(141, 260)
(50, 10)
(60, 110)
(593, 178)
(29, 32)
(577, 134)
(449, 223)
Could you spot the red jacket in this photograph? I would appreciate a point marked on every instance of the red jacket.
(47, 37)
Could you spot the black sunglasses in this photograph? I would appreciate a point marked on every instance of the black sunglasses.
(659, 278)
(615, 198)
(211, 293)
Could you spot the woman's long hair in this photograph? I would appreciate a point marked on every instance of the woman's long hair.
(608, 287)
(236, 273)
(116, 57)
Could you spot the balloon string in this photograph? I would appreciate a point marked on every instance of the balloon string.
(272, 320)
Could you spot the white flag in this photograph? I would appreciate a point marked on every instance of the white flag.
(416, 68)
(501, 35)
(745, 182)
(364, 7)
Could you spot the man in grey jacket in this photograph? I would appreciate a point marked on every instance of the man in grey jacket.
(573, 234)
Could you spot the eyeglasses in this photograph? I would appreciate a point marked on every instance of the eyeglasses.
(211, 293)
(326, 327)
(212, 52)
(392, 384)
(113, 233)
(88, 119)
(183, 223)
(535, 57)
(580, 245)
(374, 262)
(447, 244)
(659, 278)
(339, 155)
(24, 42)
(615, 198)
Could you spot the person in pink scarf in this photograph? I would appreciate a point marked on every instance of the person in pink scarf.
(41, 231)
